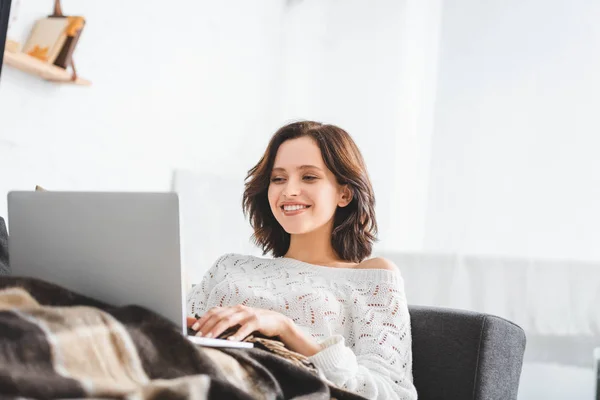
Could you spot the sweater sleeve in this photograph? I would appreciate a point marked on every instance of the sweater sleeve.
(379, 364)
(197, 298)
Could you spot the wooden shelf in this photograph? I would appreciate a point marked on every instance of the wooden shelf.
(32, 65)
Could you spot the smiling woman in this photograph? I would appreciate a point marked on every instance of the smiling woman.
(319, 166)
(311, 205)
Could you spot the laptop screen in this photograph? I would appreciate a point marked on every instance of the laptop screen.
(4, 14)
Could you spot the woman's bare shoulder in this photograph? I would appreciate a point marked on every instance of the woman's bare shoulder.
(378, 263)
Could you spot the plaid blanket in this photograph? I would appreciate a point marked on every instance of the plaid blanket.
(58, 344)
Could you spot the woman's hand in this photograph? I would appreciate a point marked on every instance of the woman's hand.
(218, 319)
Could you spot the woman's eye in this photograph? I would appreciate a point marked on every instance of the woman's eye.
(308, 178)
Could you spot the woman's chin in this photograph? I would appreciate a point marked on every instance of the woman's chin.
(296, 229)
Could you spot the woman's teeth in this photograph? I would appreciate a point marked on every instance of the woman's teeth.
(293, 208)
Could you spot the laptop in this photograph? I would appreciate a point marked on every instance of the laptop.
(119, 248)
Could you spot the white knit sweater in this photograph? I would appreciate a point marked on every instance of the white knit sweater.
(359, 316)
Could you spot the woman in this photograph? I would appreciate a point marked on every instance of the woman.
(311, 205)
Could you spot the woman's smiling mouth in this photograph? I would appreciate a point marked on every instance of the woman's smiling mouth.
(290, 210)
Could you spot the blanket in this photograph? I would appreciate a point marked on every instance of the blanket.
(58, 344)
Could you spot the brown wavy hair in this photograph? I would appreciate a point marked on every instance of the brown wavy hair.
(354, 227)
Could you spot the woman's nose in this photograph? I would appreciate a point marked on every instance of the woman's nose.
(292, 188)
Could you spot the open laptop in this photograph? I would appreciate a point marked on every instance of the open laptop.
(119, 248)
(4, 15)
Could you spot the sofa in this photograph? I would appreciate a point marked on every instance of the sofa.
(457, 354)
(4, 267)
(460, 354)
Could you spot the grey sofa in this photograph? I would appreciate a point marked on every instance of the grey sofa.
(456, 354)
(465, 355)
(4, 268)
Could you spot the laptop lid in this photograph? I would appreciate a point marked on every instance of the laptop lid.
(4, 15)
(119, 248)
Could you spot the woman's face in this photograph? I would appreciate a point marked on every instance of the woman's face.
(303, 193)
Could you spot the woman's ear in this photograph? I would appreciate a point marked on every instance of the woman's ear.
(346, 196)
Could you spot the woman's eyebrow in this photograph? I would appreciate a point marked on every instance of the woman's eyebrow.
(300, 167)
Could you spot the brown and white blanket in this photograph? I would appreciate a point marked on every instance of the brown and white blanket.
(58, 344)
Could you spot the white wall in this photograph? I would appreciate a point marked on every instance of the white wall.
(198, 85)
(414, 117)
(515, 166)
(188, 85)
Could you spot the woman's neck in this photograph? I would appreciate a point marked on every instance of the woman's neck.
(315, 248)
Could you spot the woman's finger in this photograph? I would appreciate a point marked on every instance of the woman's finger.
(226, 322)
(206, 317)
(191, 321)
(209, 325)
(248, 326)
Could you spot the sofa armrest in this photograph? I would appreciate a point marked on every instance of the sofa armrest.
(4, 267)
(461, 354)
